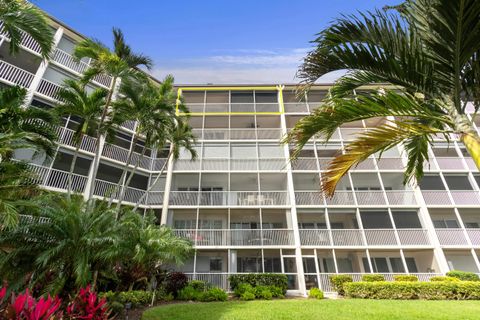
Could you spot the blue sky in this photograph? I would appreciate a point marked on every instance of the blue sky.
(212, 40)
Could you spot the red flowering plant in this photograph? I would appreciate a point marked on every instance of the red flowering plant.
(25, 307)
(87, 305)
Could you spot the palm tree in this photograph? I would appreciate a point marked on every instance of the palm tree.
(64, 248)
(20, 15)
(87, 107)
(181, 137)
(154, 109)
(429, 52)
(146, 250)
(27, 129)
(24, 128)
(120, 64)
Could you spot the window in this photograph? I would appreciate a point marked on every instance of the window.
(397, 265)
(411, 265)
(184, 224)
(390, 265)
(379, 265)
(445, 224)
(309, 265)
(344, 265)
(328, 265)
(216, 264)
(249, 264)
(471, 224)
(272, 265)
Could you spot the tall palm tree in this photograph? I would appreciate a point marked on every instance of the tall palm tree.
(154, 109)
(64, 248)
(429, 51)
(180, 138)
(120, 64)
(20, 15)
(76, 101)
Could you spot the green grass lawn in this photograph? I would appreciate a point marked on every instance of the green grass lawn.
(304, 309)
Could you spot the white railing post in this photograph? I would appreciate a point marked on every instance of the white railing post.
(41, 70)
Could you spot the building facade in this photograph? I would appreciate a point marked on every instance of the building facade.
(246, 207)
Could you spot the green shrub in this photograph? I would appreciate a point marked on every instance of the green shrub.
(135, 297)
(198, 285)
(443, 278)
(439, 290)
(188, 293)
(373, 277)
(260, 279)
(315, 293)
(247, 295)
(263, 292)
(276, 292)
(213, 294)
(242, 288)
(463, 275)
(338, 281)
(405, 277)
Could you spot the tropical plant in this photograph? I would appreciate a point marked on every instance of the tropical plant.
(87, 305)
(180, 138)
(147, 249)
(61, 251)
(20, 15)
(24, 128)
(88, 108)
(429, 53)
(25, 306)
(119, 64)
(153, 107)
(31, 130)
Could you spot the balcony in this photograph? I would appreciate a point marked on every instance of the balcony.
(238, 134)
(120, 154)
(364, 198)
(49, 89)
(27, 40)
(58, 179)
(228, 198)
(14, 75)
(451, 237)
(295, 107)
(364, 237)
(441, 197)
(450, 163)
(237, 237)
(65, 136)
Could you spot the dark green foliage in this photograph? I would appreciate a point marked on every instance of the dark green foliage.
(373, 277)
(439, 290)
(198, 285)
(175, 282)
(338, 281)
(463, 275)
(315, 293)
(189, 293)
(260, 279)
(406, 277)
(242, 288)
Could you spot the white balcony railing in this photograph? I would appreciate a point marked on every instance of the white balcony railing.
(294, 107)
(354, 237)
(27, 41)
(65, 136)
(237, 237)
(341, 198)
(15, 75)
(49, 89)
(474, 235)
(439, 197)
(450, 163)
(121, 154)
(465, 197)
(367, 198)
(66, 60)
(215, 279)
(401, 197)
(308, 164)
(58, 179)
(238, 134)
(390, 164)
(308, 198)
(451, 237)
(228, 198)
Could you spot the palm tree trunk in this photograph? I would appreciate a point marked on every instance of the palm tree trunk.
(130, 177)
(471, 140)
(95, 277)
(72, 166)
(96, 158)
(155, 181)
(121, 186)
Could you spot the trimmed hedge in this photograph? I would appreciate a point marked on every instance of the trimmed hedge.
(440, 290)
(259, 279)
(373, 277)
(338, 282)
(192, 293)
(463, 275)
(443, 278)
(406, 277)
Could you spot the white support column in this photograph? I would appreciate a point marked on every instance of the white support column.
(41, 70)
(167, 189)
(91, 177)
(293, 212)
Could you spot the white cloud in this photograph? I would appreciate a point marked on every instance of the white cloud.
(241, 66)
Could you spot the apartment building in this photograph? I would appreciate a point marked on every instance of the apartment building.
(246, 207)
